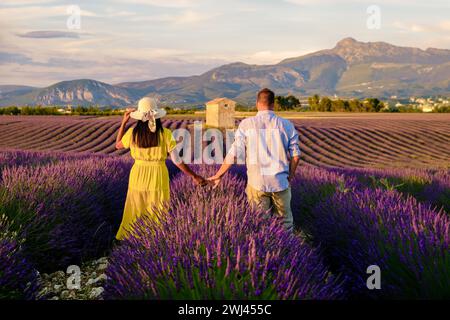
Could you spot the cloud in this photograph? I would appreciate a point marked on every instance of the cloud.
(24, 2)
(110, 69)
(49, 34)
(410, 27)
(191, 17)
(445, 25)
(438, 3)
(164, 3)
(271, 57)
(36, 13)
(439, 27)
(7, 57)
(186, 17)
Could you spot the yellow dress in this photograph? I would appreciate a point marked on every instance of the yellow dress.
(148, 187)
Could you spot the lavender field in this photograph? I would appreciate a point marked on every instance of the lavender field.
(368, 192)
(328, 140)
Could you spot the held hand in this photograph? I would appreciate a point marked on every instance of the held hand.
(126, 115)
(214, 180)
(199, 181)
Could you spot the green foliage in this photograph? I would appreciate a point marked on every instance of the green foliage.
(314, 102)
(385, 183)
(442, 109)
(242, 108)
(287, 103)
(326, 104)
(10, 111)
(15, 211)
(55, 110)
(373, 105)
(422, 189)
(185, 289)
(341, 187)
(95, 111)
(403, 109)
(179, 111)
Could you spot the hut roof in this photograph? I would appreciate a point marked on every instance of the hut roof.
(217, 100)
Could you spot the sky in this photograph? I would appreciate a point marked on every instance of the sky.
(46, 41)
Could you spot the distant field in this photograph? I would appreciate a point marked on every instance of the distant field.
(327, 139)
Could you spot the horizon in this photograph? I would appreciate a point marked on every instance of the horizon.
(138, 40)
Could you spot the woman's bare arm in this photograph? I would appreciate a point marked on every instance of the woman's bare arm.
(186, 169)
(125, 119)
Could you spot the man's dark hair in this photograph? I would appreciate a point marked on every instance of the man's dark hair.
(266, 97)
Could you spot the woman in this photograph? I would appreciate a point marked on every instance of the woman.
(149, 143)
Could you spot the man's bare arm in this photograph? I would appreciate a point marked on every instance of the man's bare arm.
(186, 169)
(293, 166)
(223, 169)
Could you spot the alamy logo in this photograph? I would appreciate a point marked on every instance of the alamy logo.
(261, 147)
(74, 19)
(74, 280)
(374, 280)
(374, 19)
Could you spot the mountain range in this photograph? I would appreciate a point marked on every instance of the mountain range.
(350, 69)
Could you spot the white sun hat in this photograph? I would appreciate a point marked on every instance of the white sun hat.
(148, 111)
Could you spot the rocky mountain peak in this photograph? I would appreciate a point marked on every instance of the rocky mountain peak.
(347, 42)
(354, 52)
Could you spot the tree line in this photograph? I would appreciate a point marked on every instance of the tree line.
(282, 103)
(55, 110)
(325, 104)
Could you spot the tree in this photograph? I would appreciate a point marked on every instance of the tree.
(314, 102)
(339, 105)
(373, 105)
(355, 105)
(326, 104)
(287, 103)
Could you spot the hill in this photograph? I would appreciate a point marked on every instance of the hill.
(351, 68)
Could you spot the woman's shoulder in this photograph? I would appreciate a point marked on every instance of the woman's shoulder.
(129, 132)
(167, 131)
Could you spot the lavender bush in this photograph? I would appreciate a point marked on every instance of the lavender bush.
(428, 186)
(409, 241)
(18, 278)
(68, 211)
(10, 158)
(313, 185)
(210, 245)
(65, 208)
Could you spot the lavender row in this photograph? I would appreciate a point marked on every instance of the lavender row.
(66, 212)
(357, 227)
(431, 187)
(18, 277)
(210, 245)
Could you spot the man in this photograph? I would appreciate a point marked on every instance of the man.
(266, 140)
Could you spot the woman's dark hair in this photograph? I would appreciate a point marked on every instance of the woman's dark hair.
(143, 137)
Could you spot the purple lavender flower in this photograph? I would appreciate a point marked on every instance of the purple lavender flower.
(408, 240)
(178, 256)
(18, 278)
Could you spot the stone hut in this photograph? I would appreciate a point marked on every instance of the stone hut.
(220, 113)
